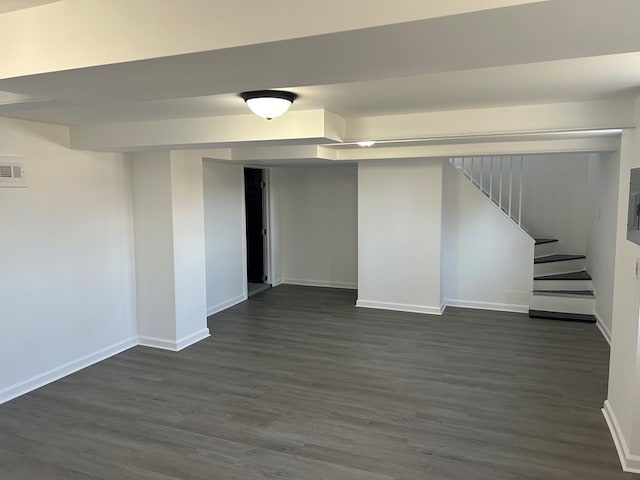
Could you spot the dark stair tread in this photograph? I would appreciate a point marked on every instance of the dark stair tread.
(542, 241)
(566, 276)
(557, 258)
(585, 293)
(568, 317)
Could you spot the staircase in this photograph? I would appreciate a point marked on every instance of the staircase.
(499, 178)
(562, 288)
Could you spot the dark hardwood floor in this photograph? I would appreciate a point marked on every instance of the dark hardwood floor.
(297, 383)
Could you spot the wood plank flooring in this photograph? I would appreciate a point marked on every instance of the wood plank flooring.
(297, 383)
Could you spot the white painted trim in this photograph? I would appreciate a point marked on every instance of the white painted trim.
(268, 213)
(68, 368)
(567, 303)
(173, 345)
(226, 304)
(156, 342)
(400, 307)
(243, 216)
(318, 283)
(189, 340)
(630, 463)
(563, 266)
(57, 373)
(277, 282)
(604, 329)
(501, 307)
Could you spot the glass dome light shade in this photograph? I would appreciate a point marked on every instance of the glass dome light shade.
(268, 107)
(268, 103)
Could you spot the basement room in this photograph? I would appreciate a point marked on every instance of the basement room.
(319, 240)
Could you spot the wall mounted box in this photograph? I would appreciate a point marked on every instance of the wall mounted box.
(633, 219)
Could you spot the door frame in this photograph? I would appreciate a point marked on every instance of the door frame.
(268, 245)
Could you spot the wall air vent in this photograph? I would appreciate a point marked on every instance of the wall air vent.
(12, 172)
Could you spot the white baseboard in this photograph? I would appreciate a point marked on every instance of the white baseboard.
(400, 307)
(156, 342)
(604, 329)
(318, 283)
(277, 282)
(173, 345)
(502, 307)
(57, 373)
(630, 463)
(184, 342)
(226, 304)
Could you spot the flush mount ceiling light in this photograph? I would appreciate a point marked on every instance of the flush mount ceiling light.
(268, 103)
(367, 143)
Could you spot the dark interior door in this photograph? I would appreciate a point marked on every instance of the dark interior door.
(253, 186)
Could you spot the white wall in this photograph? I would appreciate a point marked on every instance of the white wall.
(153, 223)
(399, 234)
(487, 259)
(225, 241)
(622, 408)
(169, 246)
(554, 199)
(67, 276)
(604, 173)
(317, 225)
(189, 246)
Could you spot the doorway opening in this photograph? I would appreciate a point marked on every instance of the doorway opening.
(256, 214)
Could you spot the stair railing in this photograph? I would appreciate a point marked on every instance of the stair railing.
(497, 177)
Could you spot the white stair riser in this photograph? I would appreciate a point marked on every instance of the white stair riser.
(562, 285)
(545, 249)
(565, 266)
(562, 304)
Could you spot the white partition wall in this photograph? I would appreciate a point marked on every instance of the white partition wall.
(622, 407)
(224, 235)
(487, 260)
(188, 247)
(399, 235)
(316, 219)
(604, 174)
(155, 294)
(169, 248)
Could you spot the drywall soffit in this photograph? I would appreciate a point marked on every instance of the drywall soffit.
(312, 154)
(310, 127)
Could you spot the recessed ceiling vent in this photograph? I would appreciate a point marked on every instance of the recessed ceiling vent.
(12, 172)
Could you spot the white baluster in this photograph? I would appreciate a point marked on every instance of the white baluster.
(491, 178)
(520, 200)
(510, 183)
(500, 194)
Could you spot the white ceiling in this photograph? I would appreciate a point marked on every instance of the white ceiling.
(592, 78)
(13, 5)
(542, 52)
